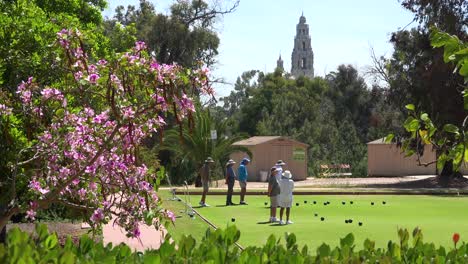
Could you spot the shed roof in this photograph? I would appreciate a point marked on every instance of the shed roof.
(257, 140)
(380, 141)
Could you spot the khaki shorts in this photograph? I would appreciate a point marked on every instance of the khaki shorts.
(274, 201)
(243, 184)
(206, 186)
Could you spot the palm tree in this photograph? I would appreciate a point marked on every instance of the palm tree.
(191, 148)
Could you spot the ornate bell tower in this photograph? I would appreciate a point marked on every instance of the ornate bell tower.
(302, 58)
(279, 64)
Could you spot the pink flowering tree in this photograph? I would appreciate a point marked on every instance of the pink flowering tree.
(91, 125)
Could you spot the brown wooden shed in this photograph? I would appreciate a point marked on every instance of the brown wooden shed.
(267, 150)
(386, 159)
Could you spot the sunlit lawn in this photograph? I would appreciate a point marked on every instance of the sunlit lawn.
(438, 217)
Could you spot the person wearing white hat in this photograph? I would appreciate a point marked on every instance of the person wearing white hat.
(286, 196)
(279, 166)
(230, 179)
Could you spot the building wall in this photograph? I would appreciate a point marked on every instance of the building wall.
(388, 160)
(267, 154)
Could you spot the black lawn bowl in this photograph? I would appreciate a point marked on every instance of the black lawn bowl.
(351, 202)
(343, 203)
(346, 221)
(266, 203)
(360, 223)
(324, 203)
(315, 202)
(328, 202)
(305, 202)
(297, 204)
(233, 219)
(372, 203)
(322, 218)
(315, 214)
(384, 202)
(350, 221)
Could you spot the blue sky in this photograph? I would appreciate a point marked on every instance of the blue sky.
(342, 32)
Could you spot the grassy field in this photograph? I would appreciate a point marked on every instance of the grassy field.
(184, 224)
(438, 217)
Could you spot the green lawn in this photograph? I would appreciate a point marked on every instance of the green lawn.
(438, 217)
(184, 224)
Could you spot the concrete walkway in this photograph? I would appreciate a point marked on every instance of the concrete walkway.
(312, 183)
(150, 237)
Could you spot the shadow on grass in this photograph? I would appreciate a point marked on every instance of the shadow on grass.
(263, 223)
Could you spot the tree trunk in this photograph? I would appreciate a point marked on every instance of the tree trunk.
(2, 227)
(448, 177)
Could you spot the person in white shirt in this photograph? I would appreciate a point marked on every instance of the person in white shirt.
(286, 196)
(279, 167)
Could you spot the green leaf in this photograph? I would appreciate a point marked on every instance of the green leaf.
(464, 70)
(425, 117)
(411, 124)
(466, 154)
(389, 138)
(451, 128)
(410, 107)
(441, 161)
(348, 240)
(323, 250)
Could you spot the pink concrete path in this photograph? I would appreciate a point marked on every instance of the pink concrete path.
(150, 237)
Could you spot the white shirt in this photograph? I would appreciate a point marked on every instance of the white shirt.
(286, 187)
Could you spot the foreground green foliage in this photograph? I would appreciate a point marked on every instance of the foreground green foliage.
(220, 247)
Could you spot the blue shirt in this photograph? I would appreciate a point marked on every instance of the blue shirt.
(242, 171)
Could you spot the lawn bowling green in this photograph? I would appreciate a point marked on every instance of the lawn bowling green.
(439, 217)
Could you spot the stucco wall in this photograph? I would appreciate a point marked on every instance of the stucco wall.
(388, 160)
(265, 156)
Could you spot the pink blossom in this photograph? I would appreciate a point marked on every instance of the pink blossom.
(93, 78)
(78, 53)
(38, 111)
(31, 214)
(92, 68)
(26, 96)
(48, 93)
(82, 193)
(5, 110)
(136, 231)
(92, 186)
(97, 216)
(36, 186)
(144, 186)
(128, 112)
(102, 62)
(78, 75)
(170, 215)
(101, 118)
(185, 103)
(140, 45)
(46, 137)
(63, 33)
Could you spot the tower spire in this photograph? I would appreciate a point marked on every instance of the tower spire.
(302, 57)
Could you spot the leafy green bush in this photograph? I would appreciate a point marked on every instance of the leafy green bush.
(220, 247)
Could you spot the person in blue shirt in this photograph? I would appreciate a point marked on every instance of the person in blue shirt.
(243, 175)
(230, 179)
